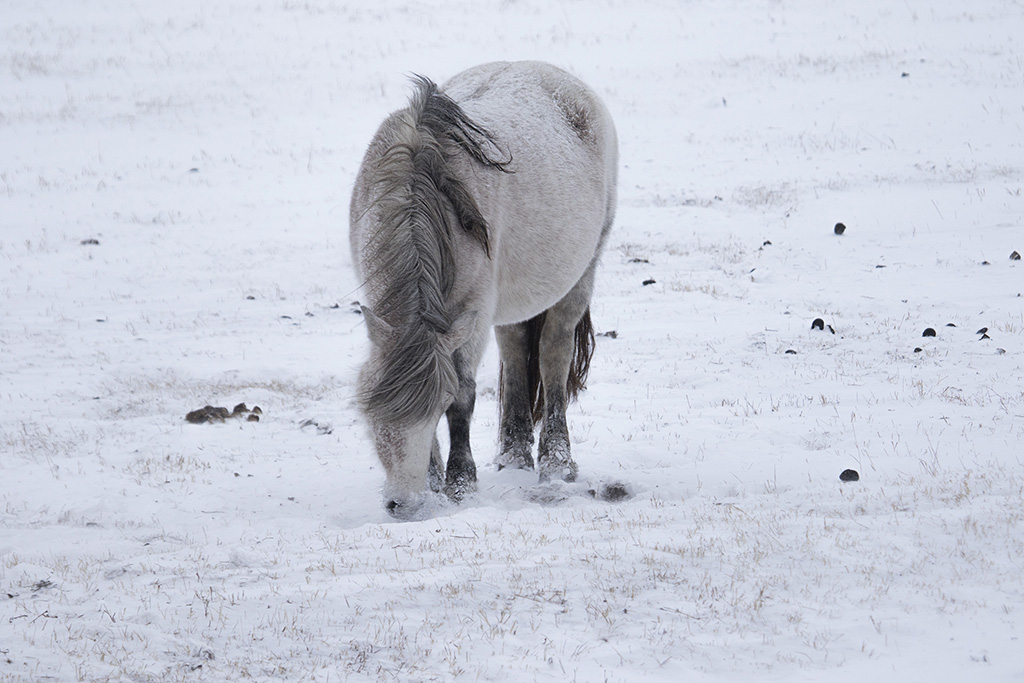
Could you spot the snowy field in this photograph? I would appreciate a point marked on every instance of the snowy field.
(174, 186)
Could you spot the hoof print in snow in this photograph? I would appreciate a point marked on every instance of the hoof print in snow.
(928, 332)
(839, 229)
(1015, 256)
(849, 475)
(611, 493)
(322, 428)
(208, 414)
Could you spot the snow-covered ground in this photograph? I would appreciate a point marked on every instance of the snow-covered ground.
(174, 182)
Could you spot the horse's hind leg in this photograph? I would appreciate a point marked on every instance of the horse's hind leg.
(557, 350)
(460, 474)
(516, 428)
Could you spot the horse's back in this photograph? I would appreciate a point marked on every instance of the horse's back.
(549, 216)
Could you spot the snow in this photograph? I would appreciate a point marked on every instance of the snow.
(210, 148)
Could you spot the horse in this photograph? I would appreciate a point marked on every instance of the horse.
(484, 203)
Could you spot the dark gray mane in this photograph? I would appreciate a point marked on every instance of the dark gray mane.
(417, 192)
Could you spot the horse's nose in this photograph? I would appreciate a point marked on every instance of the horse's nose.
(403, 511)
(406, 509)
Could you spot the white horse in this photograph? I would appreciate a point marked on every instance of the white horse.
(484, 203)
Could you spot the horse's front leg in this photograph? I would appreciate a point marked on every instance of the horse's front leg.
(460, 476)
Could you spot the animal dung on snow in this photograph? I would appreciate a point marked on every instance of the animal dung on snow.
(849, 475)
(839, 229)
(208, 414)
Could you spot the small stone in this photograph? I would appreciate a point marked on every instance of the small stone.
(791, 352)
(256, 410)
(240, 408)
(918, 349)
(849, 475)
(982, 331)
(649, 281)
(818, 324)
(1015, 256)
(928, 332)
(253, 417)
(839, 229)
(91, 242)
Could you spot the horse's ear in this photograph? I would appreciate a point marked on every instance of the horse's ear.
(378, 329)
(459, 333)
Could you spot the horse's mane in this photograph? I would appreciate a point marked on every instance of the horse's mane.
(410, 257)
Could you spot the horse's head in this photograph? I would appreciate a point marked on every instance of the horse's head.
(405, 386)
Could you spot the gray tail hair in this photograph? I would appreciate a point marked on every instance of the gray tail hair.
(579, 367)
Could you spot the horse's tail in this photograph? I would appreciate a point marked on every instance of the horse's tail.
(579, 366)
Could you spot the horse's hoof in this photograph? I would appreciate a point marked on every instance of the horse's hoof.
(460, 488)
(566, 470)
(514, 462)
